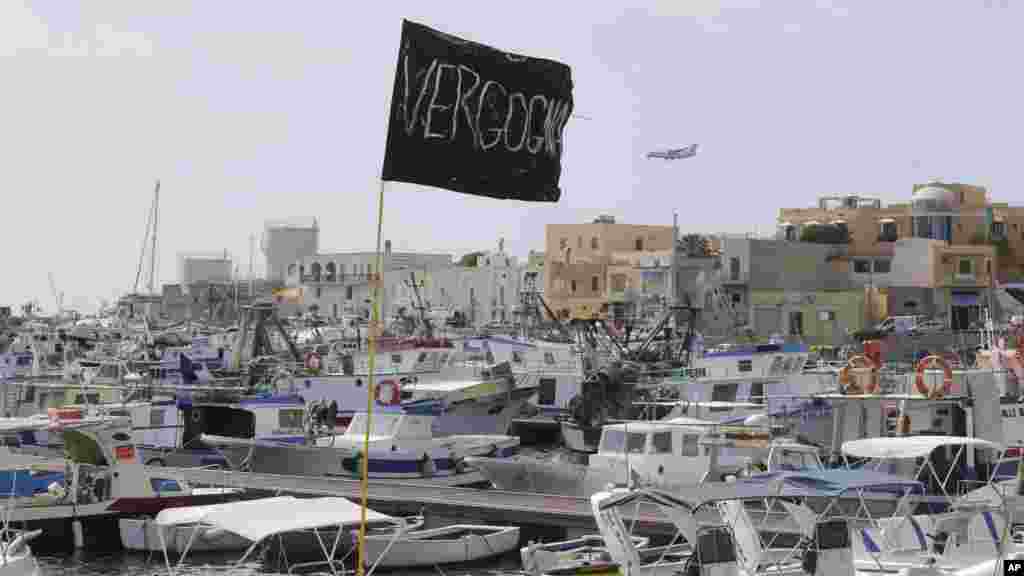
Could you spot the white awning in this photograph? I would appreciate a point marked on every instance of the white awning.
(811, 223)
(255, 520)
(839, 221)
(909, 446)
(886, 220)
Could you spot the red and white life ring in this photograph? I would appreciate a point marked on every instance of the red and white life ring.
(396, 393)
(947, 380)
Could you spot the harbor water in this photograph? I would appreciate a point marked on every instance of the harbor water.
(131, 564)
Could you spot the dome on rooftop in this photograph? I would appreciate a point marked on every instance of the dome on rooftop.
(935, 198)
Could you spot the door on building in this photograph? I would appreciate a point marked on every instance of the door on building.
(965, 310)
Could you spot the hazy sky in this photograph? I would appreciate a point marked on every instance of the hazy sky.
(254, 110)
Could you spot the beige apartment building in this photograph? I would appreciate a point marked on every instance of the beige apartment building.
(577, 259)
(958, 214)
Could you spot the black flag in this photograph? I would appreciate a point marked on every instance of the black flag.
(473, 119)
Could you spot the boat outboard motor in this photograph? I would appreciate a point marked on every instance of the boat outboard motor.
(830, 553)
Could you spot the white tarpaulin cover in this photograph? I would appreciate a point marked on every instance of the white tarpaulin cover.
(254, 520)
(909, 446)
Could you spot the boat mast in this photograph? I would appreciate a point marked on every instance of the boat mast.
(152, 254)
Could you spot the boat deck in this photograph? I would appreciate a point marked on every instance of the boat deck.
(517, 508)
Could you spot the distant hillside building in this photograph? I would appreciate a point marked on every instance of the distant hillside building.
(285, 243)
(194, 268)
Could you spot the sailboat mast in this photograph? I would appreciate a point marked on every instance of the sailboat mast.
(152, 252)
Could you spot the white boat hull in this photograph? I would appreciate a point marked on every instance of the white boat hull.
(20, 566)
(143, 535)
(431, 547)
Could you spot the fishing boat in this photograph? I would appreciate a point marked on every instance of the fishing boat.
(436, 546)
(584, 555)
(189, 531)
(288, 529)
(402, 447)
(16, 557)
(101, 481)
(666, 453)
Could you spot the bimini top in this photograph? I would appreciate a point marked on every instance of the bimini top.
(829, 483)
(255, 520)
(910, 446)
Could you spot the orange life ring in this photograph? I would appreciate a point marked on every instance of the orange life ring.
(396, 393)
(312, 362)
(947, 380)
(848, 386)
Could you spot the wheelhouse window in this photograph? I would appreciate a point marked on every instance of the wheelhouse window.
(546, 392)
(883, 266)
(614, 441)
(862, 266)
(661, 443)
(635, 442)
(290, 419)
(796, 323)
(690, 446)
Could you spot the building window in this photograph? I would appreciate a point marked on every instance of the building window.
(334, 310)
(579, 241)
(888, 232)
(734, 268)
(619, 282)
(593, 284)
(745, 365)
(331, 272)
(736, 299)
(883, 266)
(862, 266)
(593, 243)
(315, 271)
(988, 267)
(291, 269)
(501, 295)
(796, 323)
(826, 315)
(563, 243)
(791, 233)
(639, 244)
(348, 292)
(998, 230)
(573, 286)
(966, 267)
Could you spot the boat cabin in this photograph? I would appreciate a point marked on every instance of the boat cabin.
(676, 451)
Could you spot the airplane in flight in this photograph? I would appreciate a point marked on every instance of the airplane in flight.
(675, 153)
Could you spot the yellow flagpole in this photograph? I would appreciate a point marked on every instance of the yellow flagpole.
(375, 279)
